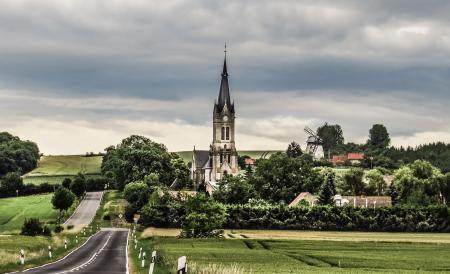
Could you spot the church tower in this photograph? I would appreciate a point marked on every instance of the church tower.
(224, 157)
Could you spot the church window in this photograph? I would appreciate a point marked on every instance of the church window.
(228, 133)
(223, 134)
(221, 158)
(229, 158)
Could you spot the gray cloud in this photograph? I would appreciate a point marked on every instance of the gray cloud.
(101, 65)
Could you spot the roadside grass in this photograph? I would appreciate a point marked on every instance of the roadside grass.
(53, 169)
(13, 211)
(298, 256)
(36, 250)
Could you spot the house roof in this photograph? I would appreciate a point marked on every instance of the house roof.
(350, 200)
(355, 156)
(201, 158)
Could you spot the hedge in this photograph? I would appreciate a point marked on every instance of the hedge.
(393, 219)
(388, 219)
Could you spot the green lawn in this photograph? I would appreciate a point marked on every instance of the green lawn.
(301, 256)
(53, 169)
(13, 211)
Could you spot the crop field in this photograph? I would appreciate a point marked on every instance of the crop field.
(255, 154)
(13, 211)
(53, 169)
(301, 256)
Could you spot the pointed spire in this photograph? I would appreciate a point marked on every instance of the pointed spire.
(224, 93)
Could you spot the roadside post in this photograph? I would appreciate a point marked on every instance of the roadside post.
(22, 257)
(50, 252)
(152, 262)
(143, 259)
(65, 243)
(135, 243)
(182, 265)
(76, 239)
(140, 252)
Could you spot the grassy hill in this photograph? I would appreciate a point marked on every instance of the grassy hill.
(53, 169)
(13, 211)
(255, 154)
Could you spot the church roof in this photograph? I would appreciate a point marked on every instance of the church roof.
(224, 93)
(201, 158)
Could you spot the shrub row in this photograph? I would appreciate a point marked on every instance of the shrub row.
(30, 189)
(393, 219)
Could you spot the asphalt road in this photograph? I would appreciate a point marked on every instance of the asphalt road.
(86, 210)
(105, 252)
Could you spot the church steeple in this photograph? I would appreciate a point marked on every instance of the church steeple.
(224, 93)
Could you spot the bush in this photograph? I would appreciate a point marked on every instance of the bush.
(58, 229)
(106, 217)
(33, 227)
(69, 227)
(204, 217)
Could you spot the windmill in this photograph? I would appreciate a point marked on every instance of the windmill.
(313, 144)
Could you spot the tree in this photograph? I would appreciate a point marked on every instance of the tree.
(294, 150)
(327, 191)
(136, 193)
(331, 135)
(376, 183)
(17, 155)
(135, 157)
(241, 161)
(418, 183)
(66, 182)
(78, 186)
(378, 137)
(204, 217)
(280, 178)
(62, 199)
(234, 190)
(353, 183)
(11, 183)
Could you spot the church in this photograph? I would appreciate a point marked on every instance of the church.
(209, 166)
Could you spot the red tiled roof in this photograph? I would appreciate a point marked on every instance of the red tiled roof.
(355, 156)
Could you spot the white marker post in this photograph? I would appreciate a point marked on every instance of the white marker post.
(50, 252)
(22, 257)
(135, 243)
(182, 265)
(76, 239)
(152, 263)
(140, 252)
(65, 243)
(143, 259)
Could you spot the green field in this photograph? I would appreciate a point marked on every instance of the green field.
(53, 169)
(13, 211)
(301, 256)
(255, 154)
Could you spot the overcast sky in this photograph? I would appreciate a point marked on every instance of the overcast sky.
(78, 76)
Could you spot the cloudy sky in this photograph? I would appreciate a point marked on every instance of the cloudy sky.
(78, 76)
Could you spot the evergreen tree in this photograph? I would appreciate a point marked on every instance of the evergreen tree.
(294, 150)
(327, 191)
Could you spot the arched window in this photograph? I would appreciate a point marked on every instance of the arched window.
(222, 136)
(228, 133)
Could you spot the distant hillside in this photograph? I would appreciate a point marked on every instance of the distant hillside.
(53, 169)
(255, 154)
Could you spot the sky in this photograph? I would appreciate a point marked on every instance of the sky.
(79, 76)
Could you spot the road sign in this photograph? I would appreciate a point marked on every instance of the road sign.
(136, 218)
(120, 216)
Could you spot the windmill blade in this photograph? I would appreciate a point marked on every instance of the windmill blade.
(310, 131)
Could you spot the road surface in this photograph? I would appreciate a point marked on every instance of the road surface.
(105, 252)
(85, 212)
